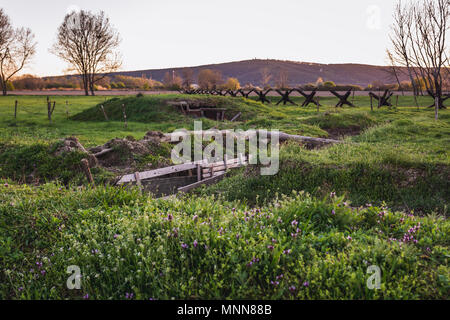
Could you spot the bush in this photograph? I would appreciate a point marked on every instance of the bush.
(329, 84)
(232, 84)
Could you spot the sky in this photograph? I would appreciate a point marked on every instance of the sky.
(181, 33)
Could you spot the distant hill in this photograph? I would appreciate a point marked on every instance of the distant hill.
(299, 73)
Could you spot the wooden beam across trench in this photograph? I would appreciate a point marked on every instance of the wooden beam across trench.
(205, 172)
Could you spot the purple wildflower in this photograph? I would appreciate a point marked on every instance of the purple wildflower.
(184, 246)
(195, 243)
(306, 284)
(292, 289)
(129, 295)
(85, 297)
(288, 251)
(270, 247)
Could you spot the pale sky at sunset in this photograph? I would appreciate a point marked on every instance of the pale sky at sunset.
(177, 33)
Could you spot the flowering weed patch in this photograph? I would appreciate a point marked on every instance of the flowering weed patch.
(130, 246)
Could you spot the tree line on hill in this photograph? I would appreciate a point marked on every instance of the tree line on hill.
(207, 79)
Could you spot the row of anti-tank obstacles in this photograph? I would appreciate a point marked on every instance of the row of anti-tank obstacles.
(382, 99)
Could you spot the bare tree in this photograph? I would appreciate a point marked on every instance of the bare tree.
(209, 79)
(283, 79)
(89, 44)
(419, 41)
(266, 76)
(394, 71)
(188, 77)
(17, 47)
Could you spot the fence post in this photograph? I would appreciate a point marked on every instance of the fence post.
(199, 172)
(67, 109)
(87, 170)
(15, 110)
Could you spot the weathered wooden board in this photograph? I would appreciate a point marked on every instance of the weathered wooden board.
(222, 163)
(222, 167)
(157, 173)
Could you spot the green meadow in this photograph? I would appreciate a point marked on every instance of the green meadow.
(309, 232)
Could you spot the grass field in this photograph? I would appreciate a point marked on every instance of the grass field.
(285, 236)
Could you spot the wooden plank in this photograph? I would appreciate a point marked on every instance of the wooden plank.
(158, 172)
(201, 183)
(236, 117)
(199, 173)
(222, 167)
(208, 175)
(221, 163)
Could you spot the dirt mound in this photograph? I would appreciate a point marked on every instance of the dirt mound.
(155, 136)
(123, 154)
(72, 144)
(119, 152)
